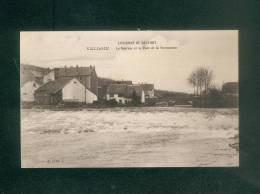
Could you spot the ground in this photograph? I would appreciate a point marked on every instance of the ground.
(129, 137)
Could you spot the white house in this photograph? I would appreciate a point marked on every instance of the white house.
(148, 90)
(90, 97)
(64, 90)
(117, 92)
(123, 93)
(28, 90)
(118, 98)
(136, 90)
(73, 91)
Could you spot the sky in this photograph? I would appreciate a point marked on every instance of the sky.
(174, 56)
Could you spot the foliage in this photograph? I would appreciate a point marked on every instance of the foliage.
(112, 102)
(135, 98)
(215, 99)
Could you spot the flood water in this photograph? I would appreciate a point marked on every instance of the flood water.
(129, 137)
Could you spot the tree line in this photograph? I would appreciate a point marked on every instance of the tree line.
(201, 80)
(206, 94)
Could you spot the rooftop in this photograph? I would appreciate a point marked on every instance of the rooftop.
(73, 71)
(230, 87)
(53, 86)
(124, 90)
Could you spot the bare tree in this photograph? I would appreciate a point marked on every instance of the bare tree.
(209, 79)
(193, 81)
(201, 80)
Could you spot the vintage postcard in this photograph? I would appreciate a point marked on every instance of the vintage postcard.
(102, 99)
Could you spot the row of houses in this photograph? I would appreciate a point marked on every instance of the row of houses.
(78, 84)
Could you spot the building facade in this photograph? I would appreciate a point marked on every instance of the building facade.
(28, 89)
(64, 90)
(148, 90)
(124, 94)
(86, 75)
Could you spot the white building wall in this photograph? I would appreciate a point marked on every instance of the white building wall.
(107, 97)
(49, 77)
(27, 91)
(143, 97)
(74, 91)
(90, 97)
(151, 93)
(120, 100)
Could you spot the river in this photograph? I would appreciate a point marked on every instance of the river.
(129, 137)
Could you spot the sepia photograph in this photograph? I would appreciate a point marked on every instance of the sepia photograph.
(129, 99)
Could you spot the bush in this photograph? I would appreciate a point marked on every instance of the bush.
(112, 102)
(215, 99)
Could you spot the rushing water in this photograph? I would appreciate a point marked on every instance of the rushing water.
(129, 137)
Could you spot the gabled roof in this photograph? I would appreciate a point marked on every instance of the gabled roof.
(105, 81)
(128, 82)
(73, 71)
(230, 87)
(147, 87)
(117, 89)
(131, 89)
(125, 90)
(54, 86)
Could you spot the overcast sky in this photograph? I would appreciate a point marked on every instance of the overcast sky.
(166, 68)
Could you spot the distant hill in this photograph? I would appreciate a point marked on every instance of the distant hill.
(105, 81)
(32, 72)
(171, 94)
(33, 68)
(178, 97)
